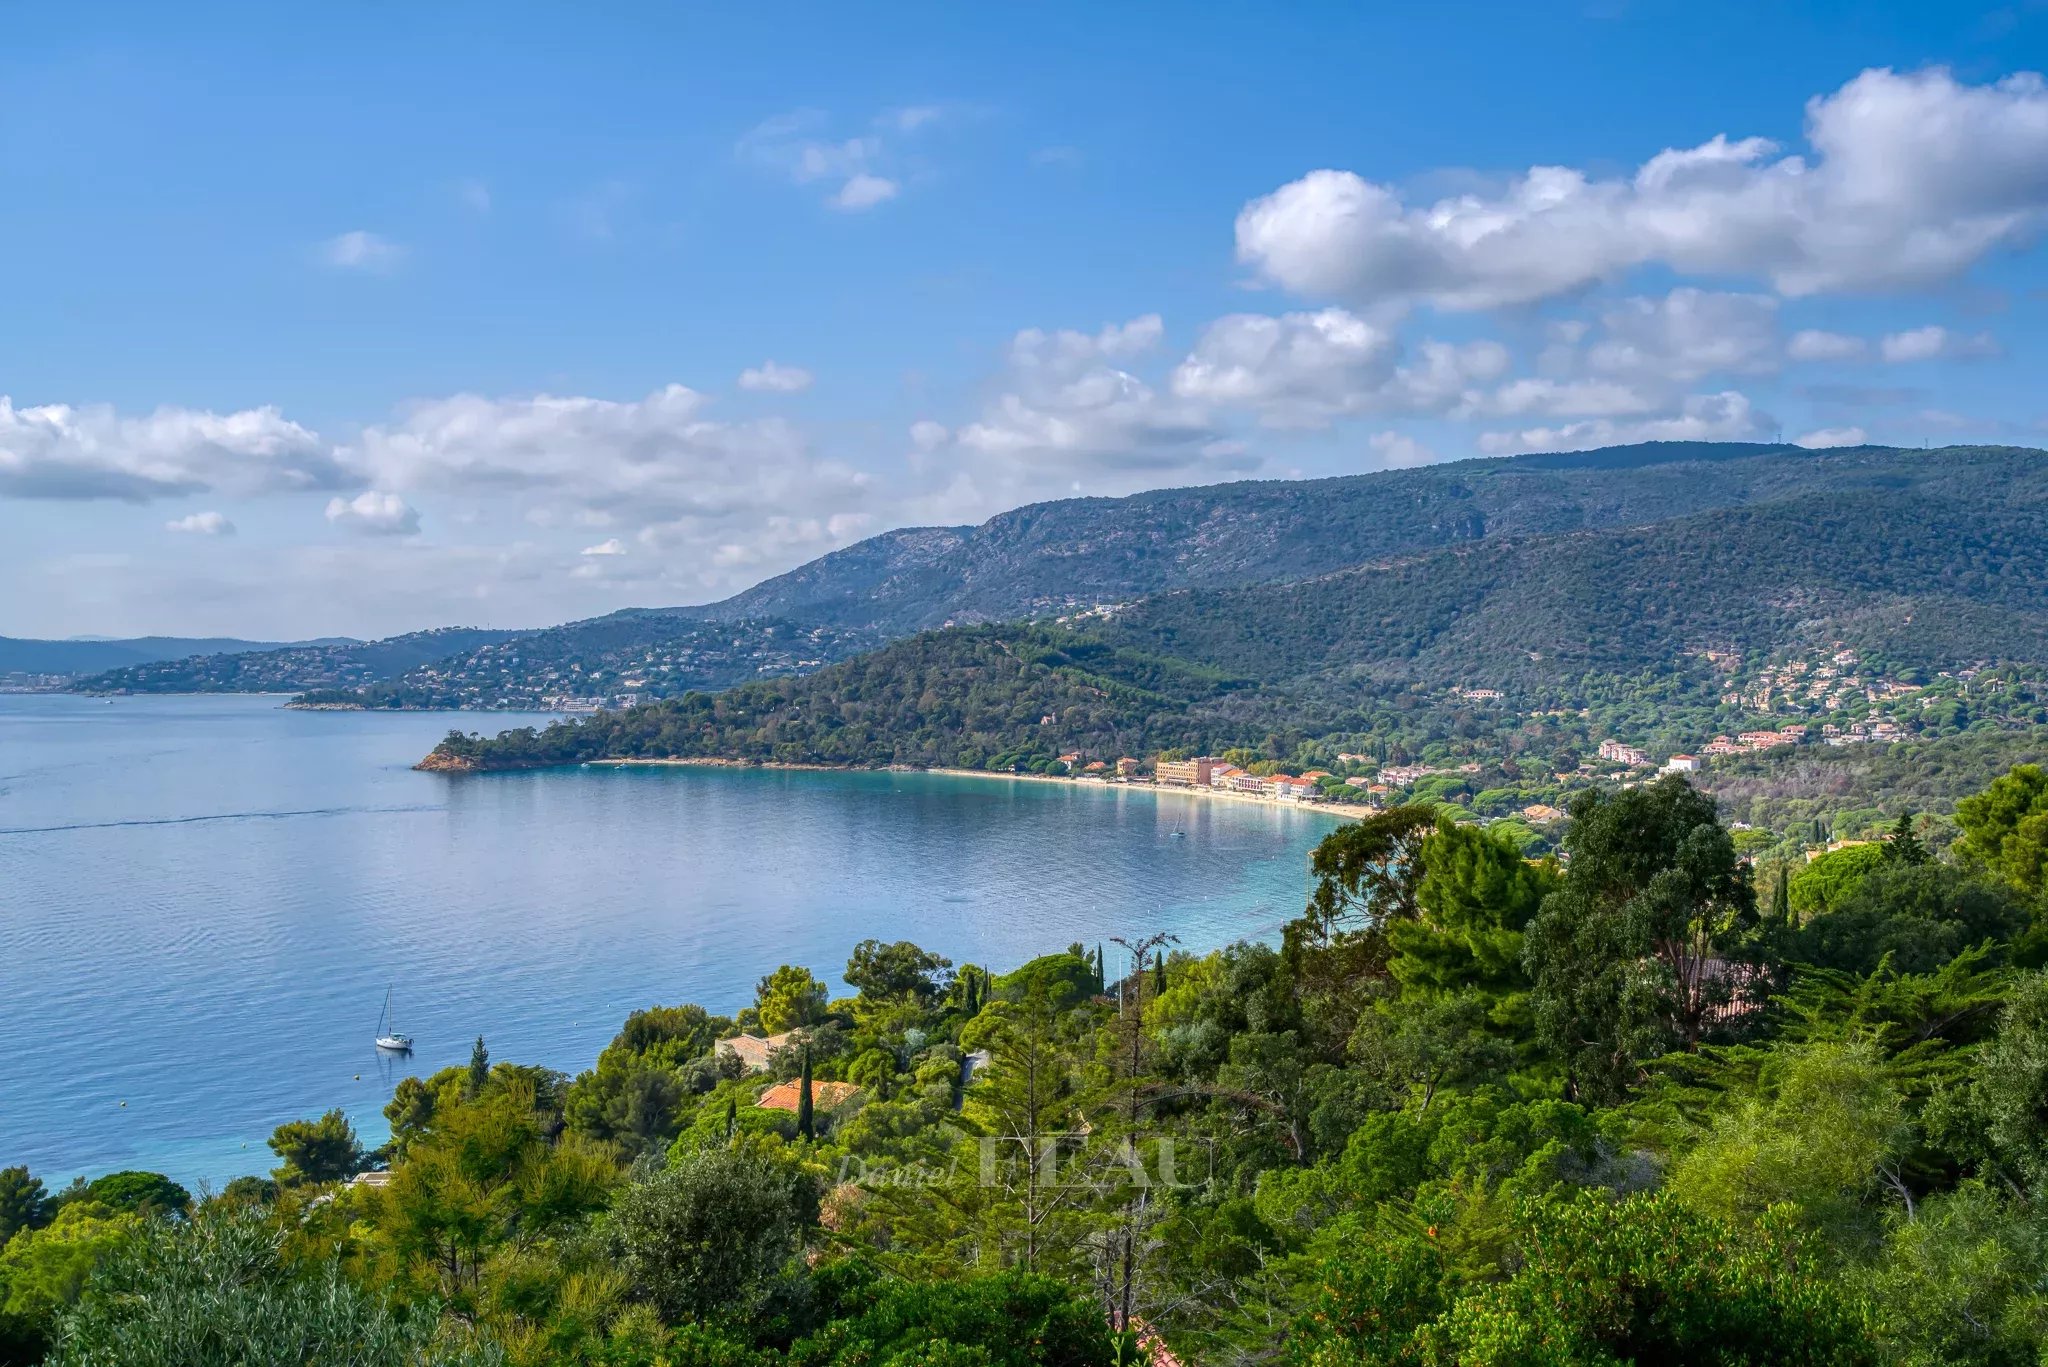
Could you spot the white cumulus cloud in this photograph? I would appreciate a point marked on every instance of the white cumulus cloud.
(1814, 344)
(860, 170)
(1307, 369)
(864, 191)
(202, 524)
(1934, 343)
(91, 452)
(1833, 436)
(1727, 416)
(610, 546)
(1398, 450)
(660, 463)
(1686, 335)
(374, 512)
(770, 378)
(1912, 177)
(1298, 370)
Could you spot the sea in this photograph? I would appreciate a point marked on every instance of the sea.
(204, 902)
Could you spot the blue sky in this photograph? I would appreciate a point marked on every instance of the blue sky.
(376, 318)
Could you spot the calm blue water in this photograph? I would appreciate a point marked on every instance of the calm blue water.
(202, 900)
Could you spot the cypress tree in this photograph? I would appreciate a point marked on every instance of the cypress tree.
(1781, 896)
(732, 1118)
(1101, 973)
(479, 1067)
(1159, 976)
(1905, 847)
(805, 1123)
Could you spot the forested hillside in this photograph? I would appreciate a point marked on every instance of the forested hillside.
(632, 654)
(1917, 578)
(1451, 614)
(1051, 557)
(962, 697)
(1649, 1104)
(19, 656)
(292, 669)
(1635, 628)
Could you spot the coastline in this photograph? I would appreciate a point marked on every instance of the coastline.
(1348, 811)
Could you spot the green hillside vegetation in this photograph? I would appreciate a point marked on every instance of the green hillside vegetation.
(1922, 580)
(639, 654)
(949, 698)
(1083, 556)
(1076, 553)
(1629, 634)
(19, 656)
(291, 669)
(1627, 1107)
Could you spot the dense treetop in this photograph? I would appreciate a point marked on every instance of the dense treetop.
(1640, 1104)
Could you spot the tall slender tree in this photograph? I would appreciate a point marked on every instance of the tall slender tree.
(1023, 1106)
(1126, 1242)
(806, 1121)
(1904, 846)
(479, 1067)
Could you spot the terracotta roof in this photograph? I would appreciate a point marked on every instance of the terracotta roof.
(825, 1096)
(753, 1050)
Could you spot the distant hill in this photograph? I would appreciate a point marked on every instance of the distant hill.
(960, 696)
(291, 669)
(22, 656)
(1051, 558)
(1567, 624)
(1916, 578)
(638, 653)
(1090, 558)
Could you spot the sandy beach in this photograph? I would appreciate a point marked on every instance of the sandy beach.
(1344, 810)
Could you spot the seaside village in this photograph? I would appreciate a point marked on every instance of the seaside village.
(1847, 703)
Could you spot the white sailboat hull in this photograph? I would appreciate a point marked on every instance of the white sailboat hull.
(397, 1043)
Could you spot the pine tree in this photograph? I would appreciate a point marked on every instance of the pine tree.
(1023, 1106)
(806, 1123)
(1122, 1247)
(479, 1067)
(1905, 847)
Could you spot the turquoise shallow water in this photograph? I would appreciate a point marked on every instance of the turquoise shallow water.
(202, 900)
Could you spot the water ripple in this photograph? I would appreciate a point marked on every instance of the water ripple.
(220, 816)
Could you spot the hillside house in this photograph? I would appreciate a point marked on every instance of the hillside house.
(825, 1096)
(753, 1050)
(1617, 753)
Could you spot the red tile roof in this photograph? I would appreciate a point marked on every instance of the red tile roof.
(825, 1096)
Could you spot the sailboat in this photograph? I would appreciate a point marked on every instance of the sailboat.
(387, 1030)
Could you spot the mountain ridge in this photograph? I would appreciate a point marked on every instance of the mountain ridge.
(1647, 627)
(1078, 557)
